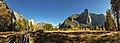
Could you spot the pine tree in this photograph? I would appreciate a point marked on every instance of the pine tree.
(115, 6)
(109, 24)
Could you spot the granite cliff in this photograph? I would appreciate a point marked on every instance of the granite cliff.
(84, 19)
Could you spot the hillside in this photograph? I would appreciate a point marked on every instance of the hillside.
(8, 17)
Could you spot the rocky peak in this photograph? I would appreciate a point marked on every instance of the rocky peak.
(86, 10)
(85, 18)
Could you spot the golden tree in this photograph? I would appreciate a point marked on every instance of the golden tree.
(48, 27)
(21, 24)
(5, 18)
(115, 4)
(37, 27)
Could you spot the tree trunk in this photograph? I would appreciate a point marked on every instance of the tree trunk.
(118, 21)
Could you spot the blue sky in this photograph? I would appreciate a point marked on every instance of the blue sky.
(56, 11)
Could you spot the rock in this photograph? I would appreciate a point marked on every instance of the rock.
(17, 16)
(70, 22)
(83, 19)
(8, 17)
(5, 17)
(97, 19)
(33, 21)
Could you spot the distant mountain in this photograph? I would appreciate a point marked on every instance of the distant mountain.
(83, 19)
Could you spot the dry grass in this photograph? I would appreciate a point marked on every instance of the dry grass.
(79, 37)
(69, 37)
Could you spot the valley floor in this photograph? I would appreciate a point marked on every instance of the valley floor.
(79, 36)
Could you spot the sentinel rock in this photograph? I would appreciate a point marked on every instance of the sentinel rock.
(84, 19)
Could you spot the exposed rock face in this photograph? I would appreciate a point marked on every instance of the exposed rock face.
(83, 19)
(4, 10)
(7, 17)
(17, 16)
(33, 21)
(70, 22)
(97, 19)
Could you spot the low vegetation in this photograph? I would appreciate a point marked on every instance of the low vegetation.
(77, 37)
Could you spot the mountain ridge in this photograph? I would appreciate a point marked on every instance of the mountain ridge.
(84, 19)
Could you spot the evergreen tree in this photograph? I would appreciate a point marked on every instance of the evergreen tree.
(115, 6)
(109, 24)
